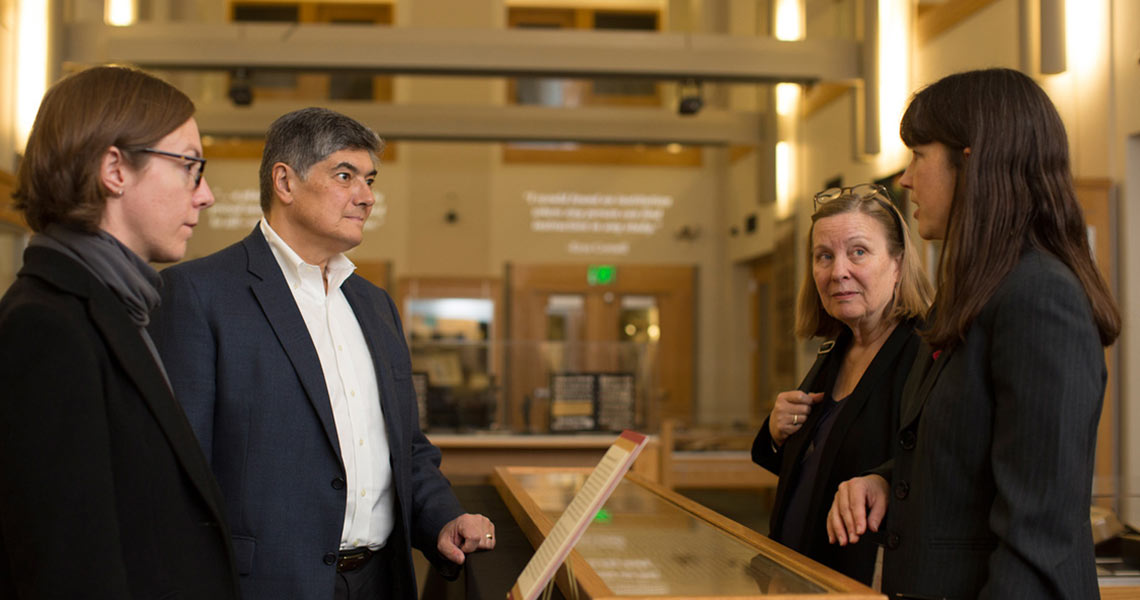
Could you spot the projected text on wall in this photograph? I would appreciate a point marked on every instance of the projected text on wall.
(622, 215)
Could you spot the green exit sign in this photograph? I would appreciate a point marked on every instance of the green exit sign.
(601, 274)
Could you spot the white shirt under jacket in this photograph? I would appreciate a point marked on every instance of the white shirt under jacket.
(353, 391)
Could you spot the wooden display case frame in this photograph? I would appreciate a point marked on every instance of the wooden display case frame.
(536, 524)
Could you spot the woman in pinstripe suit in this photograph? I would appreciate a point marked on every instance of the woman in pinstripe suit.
(989, 490)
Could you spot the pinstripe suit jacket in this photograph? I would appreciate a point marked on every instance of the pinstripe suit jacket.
(992, 478)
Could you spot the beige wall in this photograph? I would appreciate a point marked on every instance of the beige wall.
(7, 85)
(1125, 148)
(988, 38)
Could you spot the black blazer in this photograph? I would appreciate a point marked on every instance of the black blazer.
(860, 440)
(992, 481)
(104, 492)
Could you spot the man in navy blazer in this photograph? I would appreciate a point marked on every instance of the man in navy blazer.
(296, 378)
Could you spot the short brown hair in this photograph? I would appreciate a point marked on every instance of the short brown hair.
(912, 300)
(80, 117)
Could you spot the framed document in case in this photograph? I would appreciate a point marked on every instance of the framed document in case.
(617, 410)
(573, 402)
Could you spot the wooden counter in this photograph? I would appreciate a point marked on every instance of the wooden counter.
(469, 459)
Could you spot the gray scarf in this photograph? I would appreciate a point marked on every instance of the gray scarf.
(133, 281)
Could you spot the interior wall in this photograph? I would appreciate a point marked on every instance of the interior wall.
(449, 178)
(7, 86)
(1083, 93)
(1129, 361)
(492, 224)
(982, 40)
(692, 192)
(747, 183)
(1125, 142)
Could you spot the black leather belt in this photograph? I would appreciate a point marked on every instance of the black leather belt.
(350, 560)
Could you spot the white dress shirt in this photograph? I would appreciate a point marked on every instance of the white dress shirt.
(353, 391)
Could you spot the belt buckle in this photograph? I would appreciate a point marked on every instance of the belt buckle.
(349, 560)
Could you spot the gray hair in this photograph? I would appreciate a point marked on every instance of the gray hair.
(304, 138)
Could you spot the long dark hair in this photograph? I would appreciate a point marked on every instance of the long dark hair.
(1015, 189)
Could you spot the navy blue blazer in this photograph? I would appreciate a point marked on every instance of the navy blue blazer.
(245, 368)
(992, 476)
(104, 492)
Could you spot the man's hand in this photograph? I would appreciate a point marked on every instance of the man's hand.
(466, 534)
(860, 503)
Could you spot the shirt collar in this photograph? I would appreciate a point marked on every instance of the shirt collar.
(298, 272)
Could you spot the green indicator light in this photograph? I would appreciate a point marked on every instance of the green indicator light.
(601, 274)
(603, 516)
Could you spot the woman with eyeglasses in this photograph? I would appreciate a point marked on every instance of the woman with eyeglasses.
(989, 492)
(864, 293)
(104, 491)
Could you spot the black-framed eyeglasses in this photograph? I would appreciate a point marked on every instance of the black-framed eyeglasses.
(200, 163)
(863, 191)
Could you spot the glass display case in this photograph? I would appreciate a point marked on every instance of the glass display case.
(451, 348)
(650, 542)
(554, 398)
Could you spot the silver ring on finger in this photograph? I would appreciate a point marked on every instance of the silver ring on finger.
(795, 419)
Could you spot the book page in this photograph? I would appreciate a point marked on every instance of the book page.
(577, 516)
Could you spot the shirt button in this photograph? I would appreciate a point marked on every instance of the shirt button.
(361, 441)
(902, 490)
(338, 483)
(363, 493)
(330, 558)
(352, 393)
(893, 540)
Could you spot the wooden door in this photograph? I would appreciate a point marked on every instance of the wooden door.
(641, 322)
